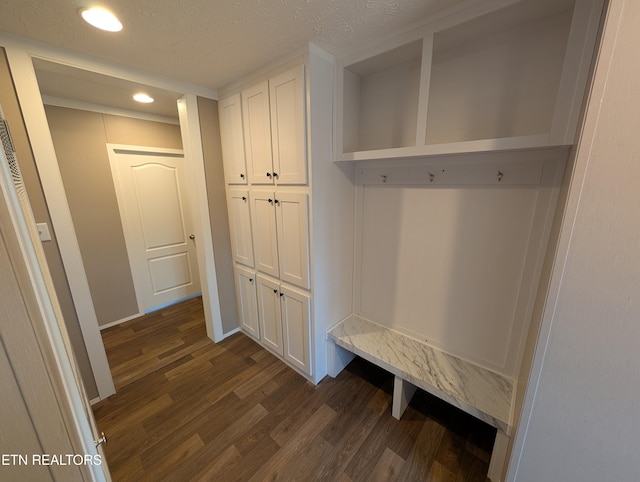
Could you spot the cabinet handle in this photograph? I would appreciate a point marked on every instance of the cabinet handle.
(275, 291)
(270, 201)
(281, 294)
(244, 198)
(277, 202)
(241, 176)
(250, 280)
(275, 174)
(269, 175)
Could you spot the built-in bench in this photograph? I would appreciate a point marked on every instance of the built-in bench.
(480, 392)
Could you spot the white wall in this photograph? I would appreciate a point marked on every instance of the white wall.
(583, 409)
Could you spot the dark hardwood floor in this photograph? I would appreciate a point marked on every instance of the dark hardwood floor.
(188, 409)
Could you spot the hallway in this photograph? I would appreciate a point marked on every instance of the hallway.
(189, 409)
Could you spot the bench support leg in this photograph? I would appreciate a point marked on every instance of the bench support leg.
(337, 359)
(402, 393)
(498, 457)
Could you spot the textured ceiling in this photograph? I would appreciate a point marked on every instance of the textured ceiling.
(211, 43)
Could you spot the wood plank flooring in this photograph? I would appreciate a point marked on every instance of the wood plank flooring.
(188, 409)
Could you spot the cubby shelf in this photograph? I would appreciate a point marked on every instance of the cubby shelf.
(486, 78)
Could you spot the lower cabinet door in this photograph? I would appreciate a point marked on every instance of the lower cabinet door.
(247, 302)
(294, 306)
(269, 313)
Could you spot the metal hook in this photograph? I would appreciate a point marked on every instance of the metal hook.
(384, 177)
(500, 176)
(432, 176)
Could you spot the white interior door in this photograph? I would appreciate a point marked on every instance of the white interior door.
(45, 406)
(152, 196)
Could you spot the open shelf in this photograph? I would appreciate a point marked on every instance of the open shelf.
(498, 75)
(483, 79)
(381, 100)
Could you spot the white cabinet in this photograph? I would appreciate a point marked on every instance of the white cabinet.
(269, 314)
(247, 302)
(286, 128)
(284, 314)
(286, 96)
(274, 129)
(230, 115)
(281, 235)
(295, 316)
(257, 133)
(264, 232)
(240, 224)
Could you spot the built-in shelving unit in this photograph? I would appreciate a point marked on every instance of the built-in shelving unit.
(486, 78)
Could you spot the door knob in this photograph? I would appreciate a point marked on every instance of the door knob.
(101, 440)
(192, 236)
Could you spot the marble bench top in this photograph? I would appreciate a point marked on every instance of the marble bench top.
(480, 392)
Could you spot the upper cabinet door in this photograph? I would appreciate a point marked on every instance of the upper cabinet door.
(264, 232)
(287, 100)
(240, 224)
(292, 214)
(257, 133)
(233, 156)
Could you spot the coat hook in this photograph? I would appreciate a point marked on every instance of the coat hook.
(384, 177)
(500, 176)
(432, 176)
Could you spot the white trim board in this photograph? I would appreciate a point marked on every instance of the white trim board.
(192, 145)
(119, 322)
(103, 109)
(35, 119)
(232, 332)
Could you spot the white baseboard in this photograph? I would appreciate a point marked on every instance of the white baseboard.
(119, 322)
(93, 401)
(232, 332)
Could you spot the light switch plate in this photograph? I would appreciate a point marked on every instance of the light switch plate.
(43, 231)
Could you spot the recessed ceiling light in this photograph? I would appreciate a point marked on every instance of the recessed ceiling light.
(144, 98)
(101, 18)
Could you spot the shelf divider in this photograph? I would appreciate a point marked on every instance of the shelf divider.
(423, 96)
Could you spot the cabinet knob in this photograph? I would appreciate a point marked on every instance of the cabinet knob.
(270, 201)
(275, 174)
(275, 291)
(269, 175)
(250, 280)
(277, 202)
(281, 294)
(241, 176)
(244, 198)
